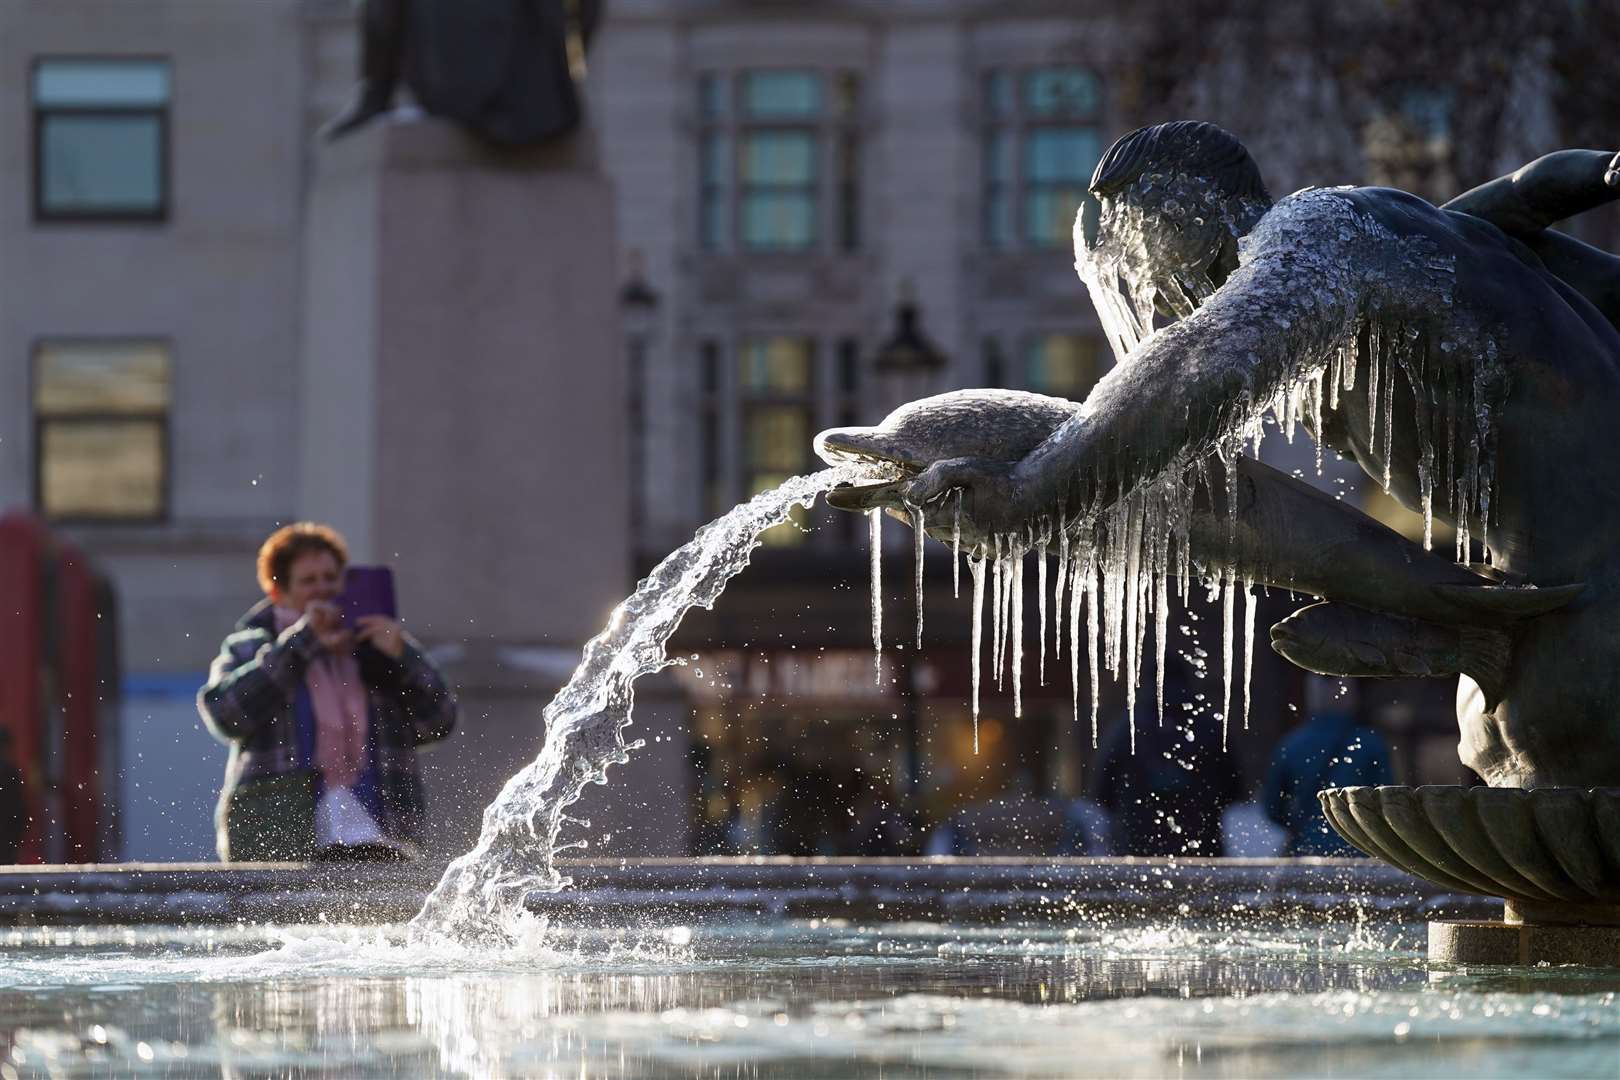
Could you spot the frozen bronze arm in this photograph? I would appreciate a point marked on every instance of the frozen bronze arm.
(1182, 390)
(1546, 191)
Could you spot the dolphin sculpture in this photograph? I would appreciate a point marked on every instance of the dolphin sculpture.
(1393, 608)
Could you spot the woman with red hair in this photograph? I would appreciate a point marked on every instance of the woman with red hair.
(323, 718)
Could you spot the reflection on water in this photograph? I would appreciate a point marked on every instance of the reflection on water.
(788, 1000)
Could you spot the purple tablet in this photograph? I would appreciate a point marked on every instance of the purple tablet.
(368, 590)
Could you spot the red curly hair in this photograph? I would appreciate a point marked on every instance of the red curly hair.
(290, 542)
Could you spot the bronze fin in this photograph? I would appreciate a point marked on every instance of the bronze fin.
(1485, 655)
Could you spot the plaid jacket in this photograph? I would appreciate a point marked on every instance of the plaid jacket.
(255, 702)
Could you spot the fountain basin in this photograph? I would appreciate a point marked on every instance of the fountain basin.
(1552, 854)
(936, 888)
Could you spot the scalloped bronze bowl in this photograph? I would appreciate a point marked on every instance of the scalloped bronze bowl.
(1552, 853)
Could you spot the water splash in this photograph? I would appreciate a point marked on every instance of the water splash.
(479, 901)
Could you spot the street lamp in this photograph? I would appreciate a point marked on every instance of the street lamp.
(908, 365)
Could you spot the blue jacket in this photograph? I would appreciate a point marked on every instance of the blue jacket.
(1328, 750)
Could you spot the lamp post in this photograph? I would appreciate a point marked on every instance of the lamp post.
(908, 365)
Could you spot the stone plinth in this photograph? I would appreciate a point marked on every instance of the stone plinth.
(1472, 943)
(464, 381)
(464, 392)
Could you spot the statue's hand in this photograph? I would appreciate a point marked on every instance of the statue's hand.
(994, 499)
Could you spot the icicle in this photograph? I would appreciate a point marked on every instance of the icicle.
(1076, 595)
(1161, 624)
(1009, 563)
(1316, 418)
(1016, 632)
(956, 550)
(1250, 603)
(1095, 597)
(875, 539)
(918, 536)
(1388, 417)
(995, 613)
(1062, 579)
(1228, 587)
(1040, 601)
(976, 570)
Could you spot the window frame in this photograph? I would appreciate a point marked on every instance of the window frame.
(1014, 121)
(163, 419)
(834, 186)
(45, 215)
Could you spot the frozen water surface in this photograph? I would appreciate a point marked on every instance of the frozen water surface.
(789, 999)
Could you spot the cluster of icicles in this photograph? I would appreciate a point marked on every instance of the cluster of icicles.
(1112, 587)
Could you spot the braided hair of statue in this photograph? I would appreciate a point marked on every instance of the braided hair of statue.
(1180, 147)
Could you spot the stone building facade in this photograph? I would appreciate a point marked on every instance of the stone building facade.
(785, 172)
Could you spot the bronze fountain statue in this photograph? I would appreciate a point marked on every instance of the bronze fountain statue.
(502, 69)
(1467, 357)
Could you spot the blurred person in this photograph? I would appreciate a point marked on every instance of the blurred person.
(1167, 797)
(1330, 749)
(13, 809)
(323, 718)
(876, 826)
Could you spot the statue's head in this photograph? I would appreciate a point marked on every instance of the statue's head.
(1174, 200)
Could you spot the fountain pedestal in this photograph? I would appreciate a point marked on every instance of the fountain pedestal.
(1552, 854)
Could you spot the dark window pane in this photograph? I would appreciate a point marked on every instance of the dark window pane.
(782, 221)
(994, 368)
(776, 366)
(711, 95)
(849, 366)
(1061, 91)
(1427, 111)
(101, 377)
(846, 94)
(770, 95)
(998, 94)
(1049, 215)
(102, 164)
(779, 157)
(998, 220)
(715, 166)
(101, 83)
(998, 157)
(778, 438)
(849, 192)
(712, 221)
(109, 467)
(1058, 155)
(709, 353)
(1062, 364)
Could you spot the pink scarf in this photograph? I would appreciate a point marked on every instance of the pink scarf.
(340, 702)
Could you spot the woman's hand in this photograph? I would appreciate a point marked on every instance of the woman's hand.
(385, 635)
(326, 619)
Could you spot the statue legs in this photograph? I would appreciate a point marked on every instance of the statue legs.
(382, 49)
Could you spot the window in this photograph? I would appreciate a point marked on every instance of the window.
(776, 377)
(101, 139)
(101, 430)
(1041, 144)
(1409, 145)
(1063, 365)
(766, 139)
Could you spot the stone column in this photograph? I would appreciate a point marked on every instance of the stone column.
(464, 396)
